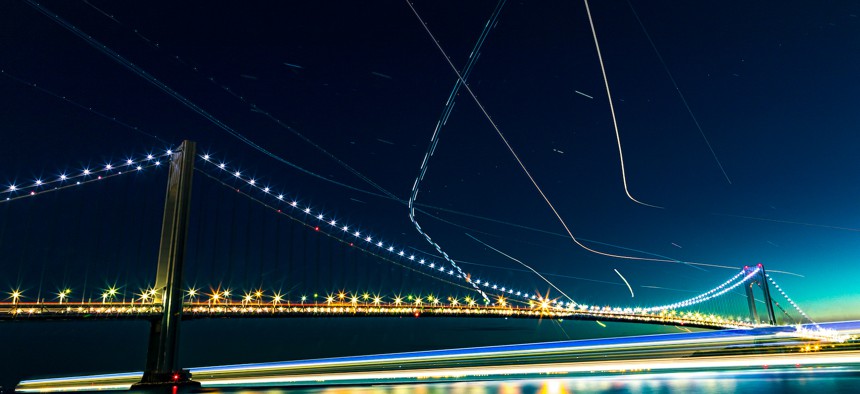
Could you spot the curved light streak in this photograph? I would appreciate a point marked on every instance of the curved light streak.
(612, 110)
(525, 265)
(625, 282)
(511, 149)
(434, 140)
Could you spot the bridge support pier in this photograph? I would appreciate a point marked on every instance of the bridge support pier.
(759, 279)
(162, 368)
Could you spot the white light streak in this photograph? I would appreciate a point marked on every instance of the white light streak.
(625, 282)
(612, 110)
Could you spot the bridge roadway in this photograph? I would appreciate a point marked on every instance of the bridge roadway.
(31, 311)
(766, 349)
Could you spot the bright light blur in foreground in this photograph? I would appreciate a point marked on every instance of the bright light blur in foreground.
(714, 351)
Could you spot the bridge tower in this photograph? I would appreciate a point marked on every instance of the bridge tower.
(162, 355)
(759, 279)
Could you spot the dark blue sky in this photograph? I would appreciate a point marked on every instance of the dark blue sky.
(772, 84)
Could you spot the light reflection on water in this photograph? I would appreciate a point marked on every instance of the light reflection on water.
(838, 380)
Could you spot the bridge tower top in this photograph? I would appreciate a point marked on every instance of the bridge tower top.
(162, 354)
(760, 279)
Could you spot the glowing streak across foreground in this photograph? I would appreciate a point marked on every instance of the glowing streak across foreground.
(644, 355)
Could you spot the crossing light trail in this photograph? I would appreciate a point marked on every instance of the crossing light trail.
(612, 111)
(525, 265)
(514, 154)
(254, 108)
(113, 55)
(434, 139)
(81, 106)
(681, 95)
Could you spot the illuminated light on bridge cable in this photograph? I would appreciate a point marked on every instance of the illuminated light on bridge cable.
(139, 168)
(206, 157)
(38, 182)
(356, 234)
(379, 244)
(345, 228)
(421, 261)
(12, 188)
(149, 157)
(333, 222)
(368, 239)
(63, 177)
(157, 163)
(412, 257)
(400, 253)
(237, 174)
(108, 167)
(252, 181)
(265, 190)
(281, 197)
(391, 248)
(129, 162)
(293, 203)
(432, 265)
(86, 171)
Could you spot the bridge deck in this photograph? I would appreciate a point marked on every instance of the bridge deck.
(202, 310)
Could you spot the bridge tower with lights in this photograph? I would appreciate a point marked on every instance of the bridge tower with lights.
(162, 357)
(760, 280)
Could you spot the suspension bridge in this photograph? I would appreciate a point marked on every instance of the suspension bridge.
(168, 301)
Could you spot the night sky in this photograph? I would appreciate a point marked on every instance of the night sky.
(772, 85)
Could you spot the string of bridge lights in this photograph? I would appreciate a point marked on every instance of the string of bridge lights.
(710, 294)
(357, 234)
(87, 175)
(790, 301)
(92, 174)
(83, 176)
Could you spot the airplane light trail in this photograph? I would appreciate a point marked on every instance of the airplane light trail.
(524, 265)
(625, 282)
(612, 111)
(583, 94)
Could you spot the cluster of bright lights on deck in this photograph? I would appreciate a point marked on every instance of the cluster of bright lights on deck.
(259, 301)
(151, 160)
(364, 236)
(84, 175)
